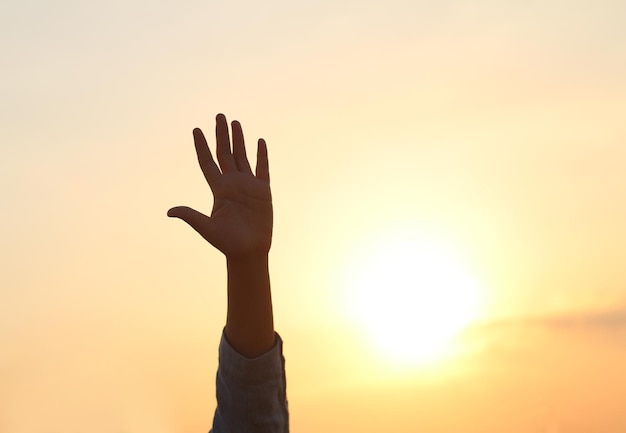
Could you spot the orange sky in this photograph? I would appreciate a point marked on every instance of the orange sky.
(496, 127)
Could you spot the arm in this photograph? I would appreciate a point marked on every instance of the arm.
(240, 226)
(249, 319)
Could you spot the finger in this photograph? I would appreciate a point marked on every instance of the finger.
(262, 164)
(239, 149)
(197, 220)
(224, 155)
(207, 163)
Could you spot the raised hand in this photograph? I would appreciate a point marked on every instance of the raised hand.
(240, 225)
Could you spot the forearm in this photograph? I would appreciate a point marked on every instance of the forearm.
(249, 321)
(251, 385)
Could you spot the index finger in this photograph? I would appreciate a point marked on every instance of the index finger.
(207, 163)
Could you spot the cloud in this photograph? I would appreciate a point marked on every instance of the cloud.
(600, 331)
(614, 318)
(610, 318)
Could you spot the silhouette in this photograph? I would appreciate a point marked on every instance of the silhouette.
(250, 385)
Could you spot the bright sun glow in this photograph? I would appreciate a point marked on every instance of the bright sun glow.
(411, 295)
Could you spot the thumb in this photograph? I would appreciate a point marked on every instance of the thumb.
(197, 220)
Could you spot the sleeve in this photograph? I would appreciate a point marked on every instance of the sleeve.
(251, 393)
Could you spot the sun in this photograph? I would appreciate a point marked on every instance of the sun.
(411, 294)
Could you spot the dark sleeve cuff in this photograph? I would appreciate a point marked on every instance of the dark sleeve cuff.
(251, 393)
(250, 371)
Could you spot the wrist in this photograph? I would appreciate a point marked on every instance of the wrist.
(247, 263)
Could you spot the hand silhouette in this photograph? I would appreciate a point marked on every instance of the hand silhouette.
(240, 225)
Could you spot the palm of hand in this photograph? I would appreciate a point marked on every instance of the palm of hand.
(242, 215)
(241, 221)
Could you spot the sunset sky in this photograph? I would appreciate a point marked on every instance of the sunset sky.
(490, 135)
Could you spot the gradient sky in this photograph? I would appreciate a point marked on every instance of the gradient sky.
(497, 126)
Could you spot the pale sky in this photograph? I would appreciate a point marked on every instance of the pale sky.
(496, 128)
